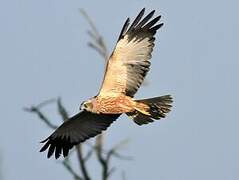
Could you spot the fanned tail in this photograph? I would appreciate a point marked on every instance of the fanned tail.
(153, 108)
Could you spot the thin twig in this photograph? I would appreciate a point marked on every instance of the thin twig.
(88, 154)
(46, 102)
(89, 20)
(114, 151)
(123, 175)
(98, 42)
(62, 110)
(37, 111)
(101, 159)
(111, 171)
(82, 162)
(67, 165)
(96, 48)
(104, 157)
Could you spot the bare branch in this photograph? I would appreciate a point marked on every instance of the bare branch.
(88, 154)
(46, 102)
(95, 47)
(114, 151)
(89, 20)
(37, 111)
(122, 157)
(98, 43)
(123, 174)
(111, 171)
(82, 162)
(101, 159)
(62, 110)
(67, 165)
(92, 35)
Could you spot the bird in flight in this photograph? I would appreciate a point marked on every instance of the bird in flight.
(125, 71)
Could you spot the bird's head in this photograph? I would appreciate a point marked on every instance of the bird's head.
(86, 105)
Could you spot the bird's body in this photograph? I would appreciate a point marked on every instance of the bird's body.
(113, 104)
(117, 104)
(125, 71)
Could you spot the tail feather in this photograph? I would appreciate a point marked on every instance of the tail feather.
(152, 108)
(140, 118)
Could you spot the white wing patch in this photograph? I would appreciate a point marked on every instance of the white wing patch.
(129, 62)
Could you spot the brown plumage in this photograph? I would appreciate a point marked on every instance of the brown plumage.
(125, 72)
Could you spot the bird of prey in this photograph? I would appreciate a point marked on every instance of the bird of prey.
(125, 71)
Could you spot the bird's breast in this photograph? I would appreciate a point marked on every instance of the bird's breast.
(114, 105)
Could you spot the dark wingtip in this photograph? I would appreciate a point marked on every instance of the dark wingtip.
(155, 28)
(152, 13)
(141, 13)
(124, 29)
(43, 141)
(142, 10)
(58, 152)
(45, 146)
(146, 19)
(136, 20)
(152, 22)
(51, 150)
(65, 151)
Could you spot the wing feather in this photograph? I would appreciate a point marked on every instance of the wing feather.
(124, 29)
(129, 62)
(146, 19)
(77, 129)
(136, 21)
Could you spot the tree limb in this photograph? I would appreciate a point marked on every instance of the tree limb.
(98, 42)
(102, 160)
(82, 162)
(68, 167)
(37, 111)
(62, 110)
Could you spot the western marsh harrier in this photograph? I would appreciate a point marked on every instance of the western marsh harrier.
(125, 72)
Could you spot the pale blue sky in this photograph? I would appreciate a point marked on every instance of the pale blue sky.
(43, 54)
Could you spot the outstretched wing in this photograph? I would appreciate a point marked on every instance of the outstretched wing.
(129, 62)
(77, 129)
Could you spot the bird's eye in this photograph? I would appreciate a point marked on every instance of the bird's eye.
(82, 106)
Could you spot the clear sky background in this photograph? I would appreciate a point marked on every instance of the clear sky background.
(43, 55)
